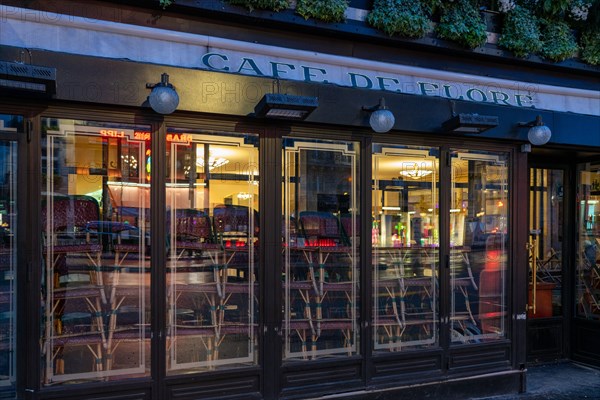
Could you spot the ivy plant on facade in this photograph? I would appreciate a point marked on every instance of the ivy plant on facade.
(460, 22)
(275, 5)
(559, 42)
(408, 18)
(590, 43)
(325, 10)
(521, 32)
(549, 28)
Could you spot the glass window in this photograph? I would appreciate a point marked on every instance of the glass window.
(546, 240)
(405, 241)
(478, 246)
(12, 123)
(588, 254)
(320, 258)
(96, 236)
(8, 260)
(212, 267)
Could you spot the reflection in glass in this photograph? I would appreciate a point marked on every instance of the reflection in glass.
(95, 236)
(405, 240)
(320, 257)
(12, 123)
(212, 217)
(478, 246)
(546, 227)
(8, 267)
(588, 254)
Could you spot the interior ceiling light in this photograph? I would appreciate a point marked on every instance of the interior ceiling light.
(382, 119)
(285, 106)
(415, 174)
(244, 196)
(470, 123)
(213, 162)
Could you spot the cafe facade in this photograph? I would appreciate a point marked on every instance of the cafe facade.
(198, 204)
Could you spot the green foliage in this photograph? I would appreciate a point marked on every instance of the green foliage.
(558, 40)
(325, 10)
(461, 23)
(590, 44)
(521, 32)
(275, 5)
(403, 17)
(430, 6)
(555, 8)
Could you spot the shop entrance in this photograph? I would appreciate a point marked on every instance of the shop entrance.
(429, 282)
(545, 307)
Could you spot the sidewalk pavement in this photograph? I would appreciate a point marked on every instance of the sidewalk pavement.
(561, 381)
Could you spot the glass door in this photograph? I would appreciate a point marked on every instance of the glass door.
(405, 247)
(546, 245)
(11, 127)
(440, 257)
(212, 256)
(320, 234)
(95, 217)
(479, 254)
(588, 255)
(586, 296)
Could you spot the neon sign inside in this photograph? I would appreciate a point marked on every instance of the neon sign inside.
(179, 138)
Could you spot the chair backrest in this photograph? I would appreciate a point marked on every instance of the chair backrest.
(230, 219)
(71, 212)
(193, 223)
(321, 225)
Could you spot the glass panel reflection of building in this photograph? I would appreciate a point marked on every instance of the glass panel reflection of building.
(320, 235)
(405, 241)
(588, 254)
(479, 246)
(8, 258)
(95, 244)
(212, 267)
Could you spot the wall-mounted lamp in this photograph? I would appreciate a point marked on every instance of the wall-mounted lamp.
(163, 98)
(470, 123)
(381, 119)
(285, 106)
(539, 133)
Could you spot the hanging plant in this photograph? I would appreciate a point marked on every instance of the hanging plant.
(462, 23)
(325, 10)
(520, 32)
(558, 40)
(590, 46)
(407, 18)
(275, 5)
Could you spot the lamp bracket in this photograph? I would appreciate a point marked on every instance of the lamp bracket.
(380, 106)
(531, 124)
(164, 81)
